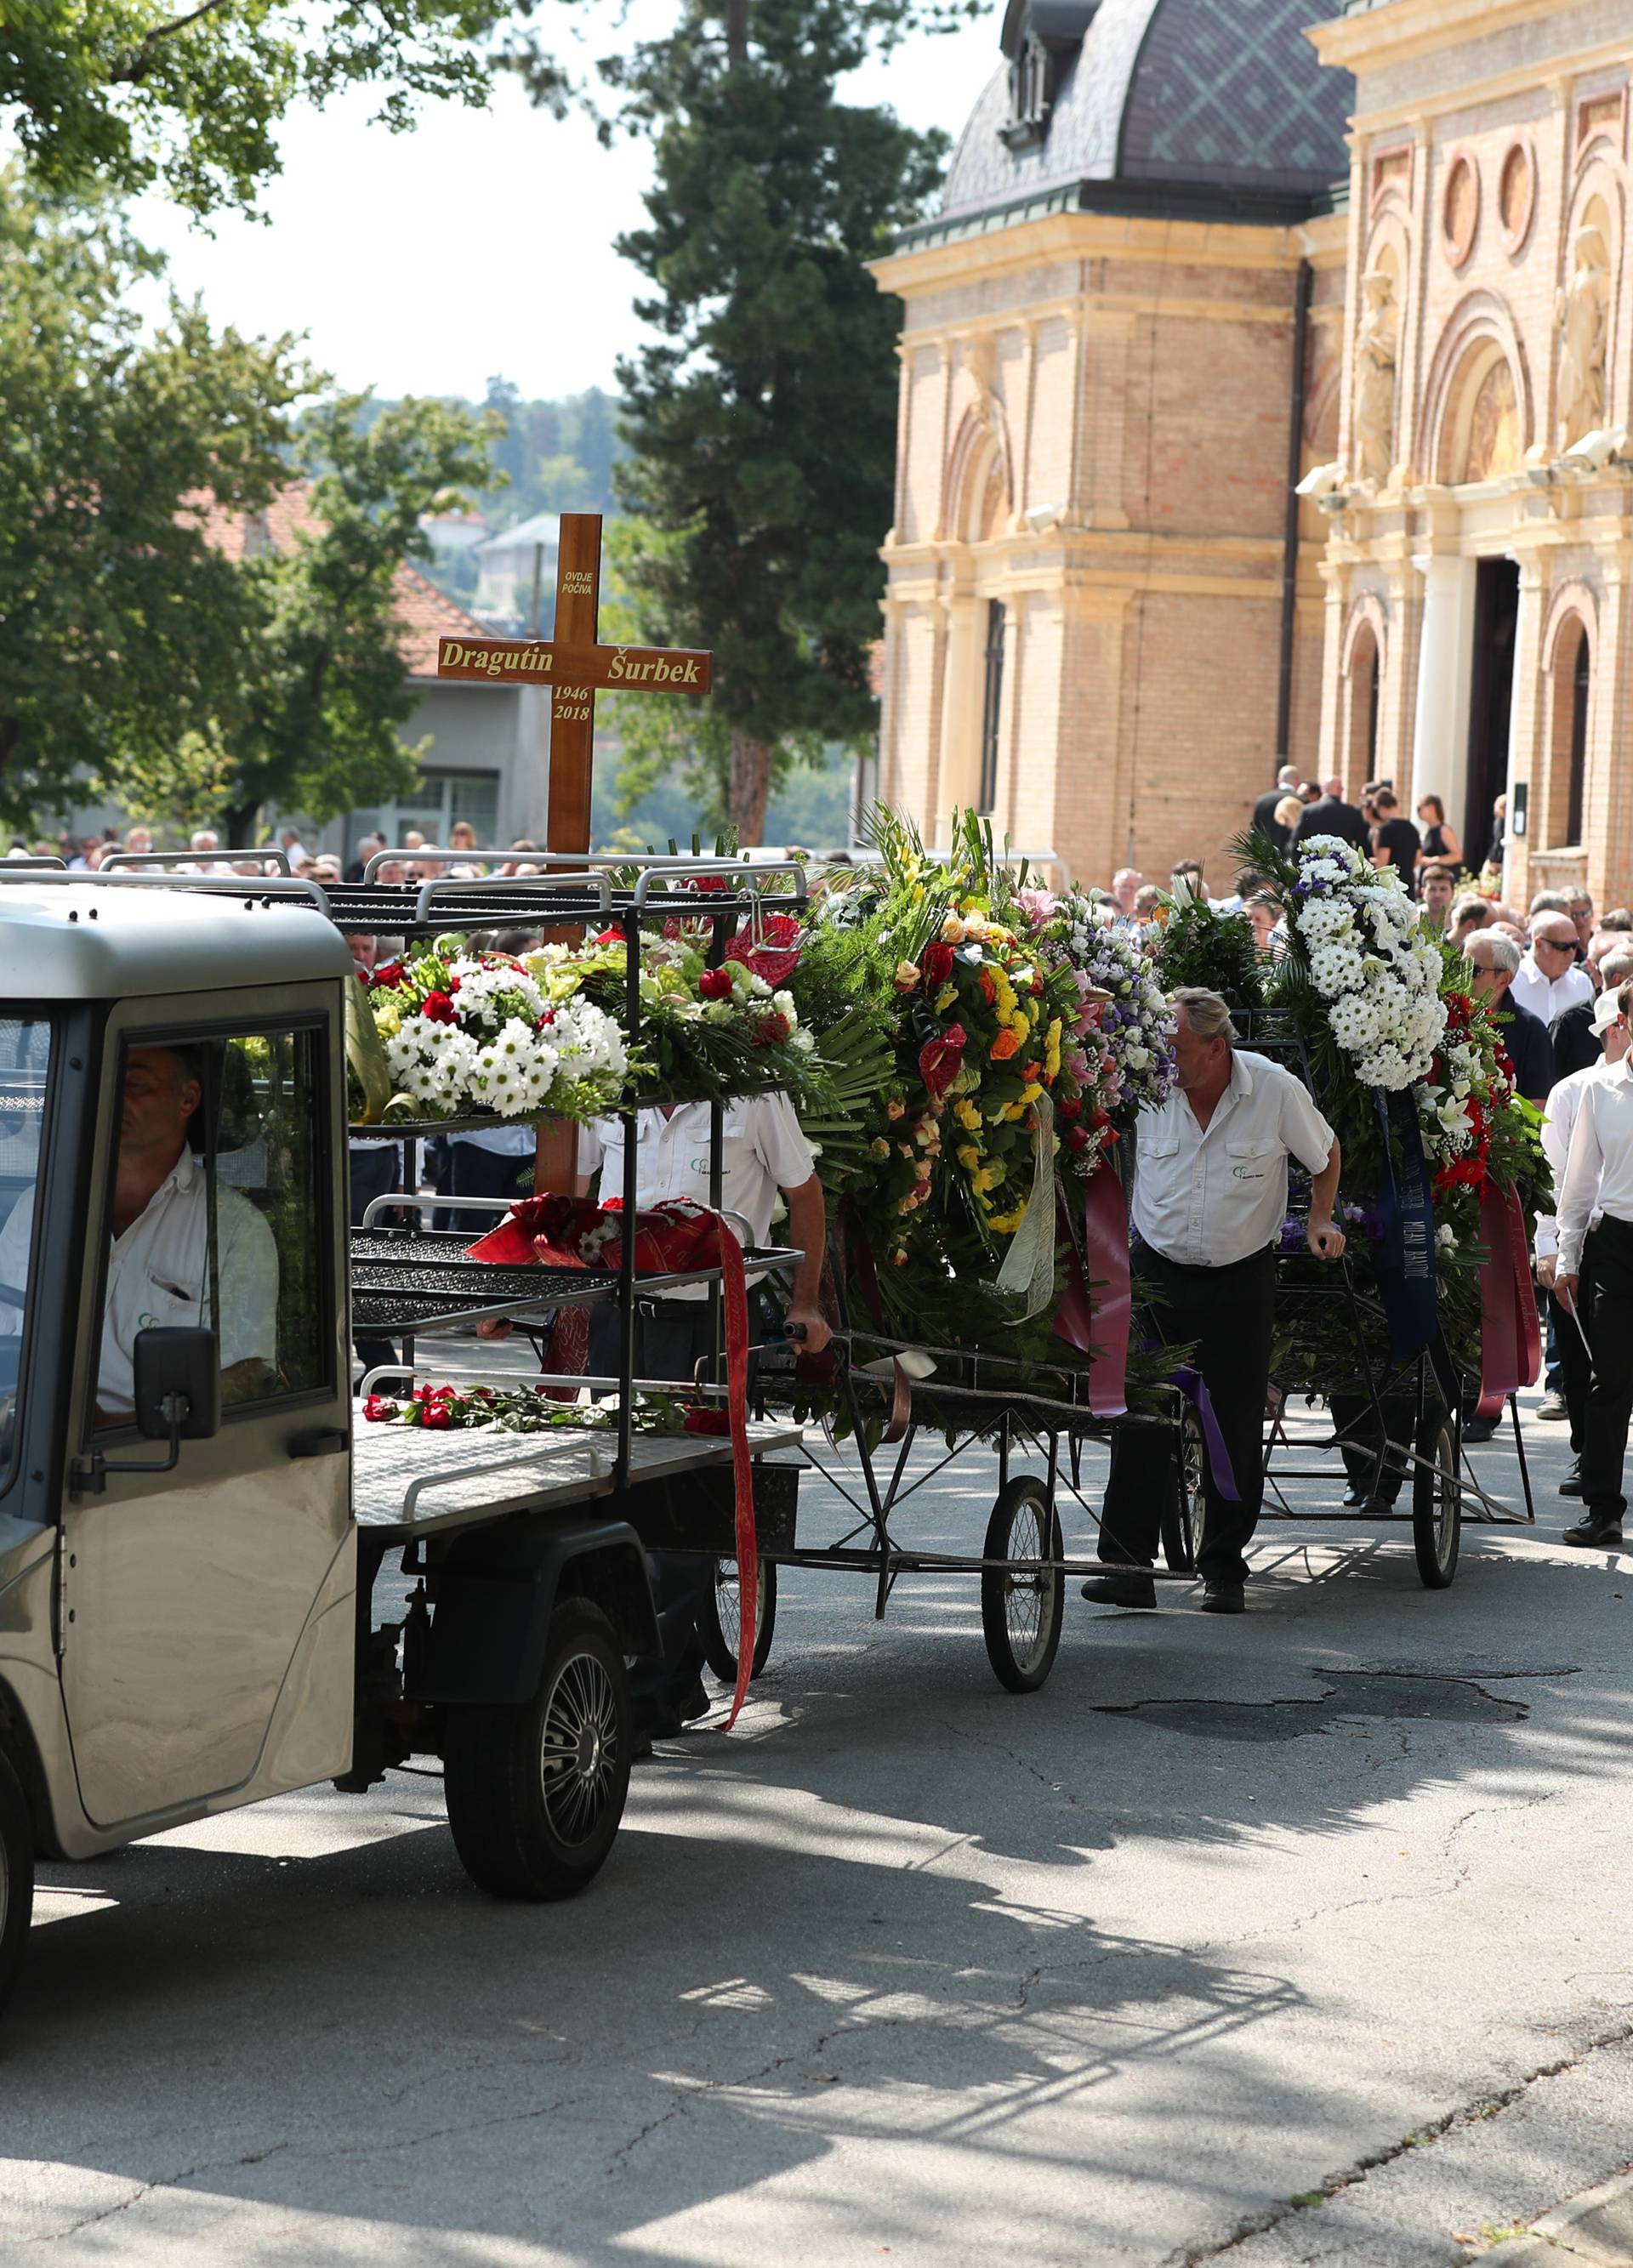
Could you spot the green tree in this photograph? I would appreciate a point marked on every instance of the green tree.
(312, 705)
(142, 657)
(188, 94)
(120, 619)
(762, 426)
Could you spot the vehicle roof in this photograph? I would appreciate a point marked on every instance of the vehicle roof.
(67, 942)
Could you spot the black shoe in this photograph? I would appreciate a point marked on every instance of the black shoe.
(1222, 1599)
(1120, 1590)
(1592, 1534)
(1353, 1495)
(1571, 1485)
(1479, 1429)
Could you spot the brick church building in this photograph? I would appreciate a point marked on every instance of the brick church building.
(1190, 252)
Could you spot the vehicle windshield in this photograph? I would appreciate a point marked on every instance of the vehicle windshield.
(25, 1060)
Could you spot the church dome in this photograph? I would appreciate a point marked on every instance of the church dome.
(1180, 104)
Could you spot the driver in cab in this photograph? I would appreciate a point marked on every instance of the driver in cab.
(158, 1259)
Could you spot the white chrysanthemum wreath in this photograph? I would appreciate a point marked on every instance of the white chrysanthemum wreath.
(1372, 962)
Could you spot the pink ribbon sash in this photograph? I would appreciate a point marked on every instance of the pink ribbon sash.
(1510, 1337)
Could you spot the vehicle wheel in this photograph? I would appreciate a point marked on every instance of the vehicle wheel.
(535, 1794)
(1022, 1606)
(1182, 1520)
(1437, 1502)
(17, 1879)
(720, 1619)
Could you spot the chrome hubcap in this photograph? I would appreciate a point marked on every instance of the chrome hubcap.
(578, 1753)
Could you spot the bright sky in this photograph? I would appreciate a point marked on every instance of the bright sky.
(482, 242)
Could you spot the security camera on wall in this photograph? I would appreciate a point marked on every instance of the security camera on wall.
(1596, 450)
(1321, 483)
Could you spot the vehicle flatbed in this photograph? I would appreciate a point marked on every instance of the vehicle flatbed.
(407, 1482)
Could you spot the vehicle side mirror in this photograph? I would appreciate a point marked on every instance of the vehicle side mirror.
(178, 1384)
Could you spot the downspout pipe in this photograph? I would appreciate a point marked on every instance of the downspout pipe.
(1302, 296)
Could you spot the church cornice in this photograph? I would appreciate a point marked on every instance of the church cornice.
(1401, 31)
(1082, 235)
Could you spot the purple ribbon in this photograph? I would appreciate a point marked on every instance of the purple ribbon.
(1193, 1386)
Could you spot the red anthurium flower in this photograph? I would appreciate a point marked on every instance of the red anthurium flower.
(941, 1061)
(936, 964)
(774, 953)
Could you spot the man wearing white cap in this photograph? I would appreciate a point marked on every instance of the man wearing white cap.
(1594, 1280)
(1563, 1103)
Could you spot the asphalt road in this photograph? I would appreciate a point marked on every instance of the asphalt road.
(1240, 1926)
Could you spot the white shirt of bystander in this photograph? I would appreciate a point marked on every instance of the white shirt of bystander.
(1598, 1172)
(1549, 995)
(1210, 1196)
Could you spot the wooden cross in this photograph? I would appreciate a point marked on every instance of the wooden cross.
(574, 664)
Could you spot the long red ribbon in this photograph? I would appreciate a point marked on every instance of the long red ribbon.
(1510, 1337)
(670, 1238)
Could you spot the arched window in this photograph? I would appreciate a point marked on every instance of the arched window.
(1567, 781)
(992, 704)
(1365, 690)
(1580, 681)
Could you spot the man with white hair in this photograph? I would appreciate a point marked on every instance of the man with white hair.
(1209, 1200)
(1594, 1284)
(1495, 961)
(1125, 885)
(1548, 980)
(204, 844)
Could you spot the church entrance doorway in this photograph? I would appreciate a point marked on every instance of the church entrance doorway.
(1491, 698)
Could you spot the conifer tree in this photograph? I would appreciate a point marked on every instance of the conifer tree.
(761, 426)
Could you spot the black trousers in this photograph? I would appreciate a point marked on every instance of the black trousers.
(1607, 1274)
(372, 1173)
(1574, 1367)
(1352, 1415)
(671, 1338)
(474, 1172)
(1227, 1313)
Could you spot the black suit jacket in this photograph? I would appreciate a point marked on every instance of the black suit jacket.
(1575, 1043)
(1530, 1049)
(1329, 815)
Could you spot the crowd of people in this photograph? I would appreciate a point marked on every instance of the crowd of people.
(1558, 977)
(414, 860)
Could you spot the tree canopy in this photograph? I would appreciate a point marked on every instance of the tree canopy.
(187, 94)
(761, 426)
(144, 656)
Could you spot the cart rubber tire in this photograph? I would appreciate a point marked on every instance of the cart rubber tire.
(1182, 1520)
(1022, 1666)
(526, 1823)
(717, 1619)
(1438, 1502)
(17, 1879)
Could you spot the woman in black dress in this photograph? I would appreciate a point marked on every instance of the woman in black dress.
(1441, 846)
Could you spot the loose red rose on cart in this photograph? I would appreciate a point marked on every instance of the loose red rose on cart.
(379, 1409)
(439, 1009)
(940, 1061)
(708, 1421)
(714, 984)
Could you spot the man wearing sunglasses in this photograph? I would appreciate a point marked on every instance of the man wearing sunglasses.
(1548, 980)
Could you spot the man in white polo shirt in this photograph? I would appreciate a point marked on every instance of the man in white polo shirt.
(1210, 1196)
(1595, 1282)
(761, 1151)
(157, 1264)
(1548, 980)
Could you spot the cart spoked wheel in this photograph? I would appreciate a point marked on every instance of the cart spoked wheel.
(535, 1793)
(1182, 1521)
(17, 1878)
(719, 1619)
(1022, 1606)
(1437, 1502)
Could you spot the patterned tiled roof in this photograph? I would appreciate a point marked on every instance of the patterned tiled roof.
(424, 615)
(1204, 92)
